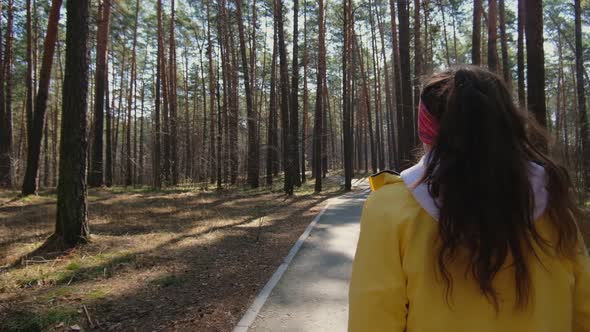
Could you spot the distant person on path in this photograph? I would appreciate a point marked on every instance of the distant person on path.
(481, 234)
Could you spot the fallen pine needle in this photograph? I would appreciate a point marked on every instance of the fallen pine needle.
(88, 316)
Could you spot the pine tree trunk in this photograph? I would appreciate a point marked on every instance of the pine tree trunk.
(71, 222)
(520, 54)
(535, 60)
(30, 182)
(444, 24)
(294, 109)
(367, 101)
(108, 103)
(253, 149)
(406, 87)
(585, 139)
(117, 115)
(325, 127)
(95, 177)
(388, 94)
(204, 161)
(131, 97)
(418, 61)
(56, 144)
(272, 138)
(231, 152)
(320, 105)
(173, 99)
(219, 135)
(141, 151)
(188, 159)
(305, 99)
(493, 35)
(346, 106)
(504, 44)
(476, 35)
(456, 51)
(401, 138)
(284, 87)
(166, 167)
(5, 104)
(157, 176)
(29, 88)
(212, 156)
(46, 174)
(4, 155)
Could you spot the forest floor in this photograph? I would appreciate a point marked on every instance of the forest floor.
(176, 260)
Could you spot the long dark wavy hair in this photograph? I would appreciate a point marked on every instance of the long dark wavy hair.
(478, 169)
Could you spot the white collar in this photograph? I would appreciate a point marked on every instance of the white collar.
(412, 175)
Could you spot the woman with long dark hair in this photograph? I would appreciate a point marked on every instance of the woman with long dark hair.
(481, 234)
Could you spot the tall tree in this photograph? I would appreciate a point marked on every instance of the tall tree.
(406, 86)
(108, 167)
(367, 107)
(377, 88)
(418, 62)
(319, 105)
(284, 87)
(173, 98)
(400, 138)
(130, 97)
(272, 137)
(346, 100)
(445, 39)
(95, 177)
(71, 223)
(157, 175)
(305, 96)
(520, 54)
(30, 182)
(253, 149)
(535, 60)
(212, 95)
(476, 35)
(28, 107)
(188, 160)
(140, 173)
(389, 113)
(493, 35)
(294, 110)
(504, 44)
(4, 155)
(5, 103)
(585, 139)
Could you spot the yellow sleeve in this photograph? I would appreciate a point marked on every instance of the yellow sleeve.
(377, 295)
(582, 292)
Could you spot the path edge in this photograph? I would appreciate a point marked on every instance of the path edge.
(250, 316)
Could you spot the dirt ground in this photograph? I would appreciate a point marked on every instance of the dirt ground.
(178, 260)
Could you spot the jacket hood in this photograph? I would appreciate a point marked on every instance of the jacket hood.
(412, 175)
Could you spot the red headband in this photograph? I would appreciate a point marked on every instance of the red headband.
(427, 125)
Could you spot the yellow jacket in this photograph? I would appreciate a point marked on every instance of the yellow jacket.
(394, 285)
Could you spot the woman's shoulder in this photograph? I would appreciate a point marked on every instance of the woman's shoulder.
(390, 194)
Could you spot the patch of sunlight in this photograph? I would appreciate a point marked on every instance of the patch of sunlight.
(76, 269)
(97, 294)
(73, 266)
(190, 242)
(308, 188)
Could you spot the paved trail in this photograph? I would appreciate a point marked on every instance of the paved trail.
(312, 294)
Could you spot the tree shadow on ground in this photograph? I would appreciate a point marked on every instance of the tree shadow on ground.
(197, 279)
